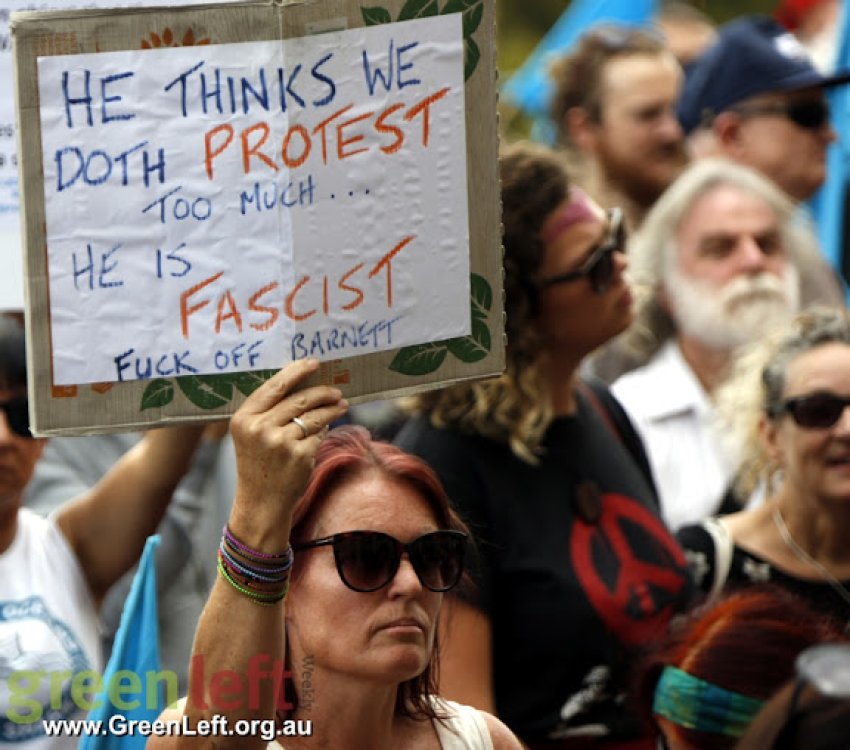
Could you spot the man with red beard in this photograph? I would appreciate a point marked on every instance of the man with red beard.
(718, 260)
(614, 109)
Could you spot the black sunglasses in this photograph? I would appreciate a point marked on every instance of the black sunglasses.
(368, 560)
(811, 114)
(17, 415)
(815, 411)
(599, 267)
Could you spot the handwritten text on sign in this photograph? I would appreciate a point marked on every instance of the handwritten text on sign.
(229, 207)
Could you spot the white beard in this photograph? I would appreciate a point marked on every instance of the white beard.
(741, 312)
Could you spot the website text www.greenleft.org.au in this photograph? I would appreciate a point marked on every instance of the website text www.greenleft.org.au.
(34, 692)
(219, 726)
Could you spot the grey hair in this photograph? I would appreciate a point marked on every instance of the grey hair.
(817, 327)
(652, 250)
(755, 388)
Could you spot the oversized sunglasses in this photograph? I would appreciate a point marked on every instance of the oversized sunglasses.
(811, 114)
(368, 560)
(17, 415)
(599, 267)
(816, 411)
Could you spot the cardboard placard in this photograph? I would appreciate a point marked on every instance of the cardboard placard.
(212, 191)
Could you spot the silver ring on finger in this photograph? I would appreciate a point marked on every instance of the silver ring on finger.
(300, 422)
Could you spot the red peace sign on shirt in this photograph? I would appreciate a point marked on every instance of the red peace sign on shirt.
(630, 567)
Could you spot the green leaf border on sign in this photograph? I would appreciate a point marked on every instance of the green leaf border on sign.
(473, 13)
(424, 359)
(207, 392)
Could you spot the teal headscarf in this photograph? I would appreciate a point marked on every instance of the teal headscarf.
(693, 703)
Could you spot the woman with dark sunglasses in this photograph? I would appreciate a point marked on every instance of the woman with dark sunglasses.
(575, 569)
(359, 539)
(787, 408)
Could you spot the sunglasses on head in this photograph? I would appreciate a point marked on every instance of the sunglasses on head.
(17, 415)
(815, 411)
(599, 267)
(368, 560)
(812, 114)
(621, 38)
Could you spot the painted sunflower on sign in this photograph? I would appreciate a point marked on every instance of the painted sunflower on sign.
(168, 39)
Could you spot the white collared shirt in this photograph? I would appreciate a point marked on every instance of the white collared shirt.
(676, 421)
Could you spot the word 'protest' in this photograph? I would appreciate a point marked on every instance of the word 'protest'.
(232, 207)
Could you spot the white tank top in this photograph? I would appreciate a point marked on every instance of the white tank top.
(48, 625)
(464, 729)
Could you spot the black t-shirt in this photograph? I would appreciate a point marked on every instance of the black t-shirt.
(569, 600)
(747, 568)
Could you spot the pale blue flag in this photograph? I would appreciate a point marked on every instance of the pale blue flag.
(135, 651)
(830, 205)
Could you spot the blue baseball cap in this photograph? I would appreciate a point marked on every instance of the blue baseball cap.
(752, 55)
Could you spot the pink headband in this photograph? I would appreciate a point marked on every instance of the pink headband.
(576, 211)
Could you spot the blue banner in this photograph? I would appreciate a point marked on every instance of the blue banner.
(829, 206)
(135, 659)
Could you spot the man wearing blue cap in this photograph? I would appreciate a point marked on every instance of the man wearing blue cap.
(754, 97)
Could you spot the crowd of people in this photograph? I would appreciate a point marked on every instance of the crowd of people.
(633, 538)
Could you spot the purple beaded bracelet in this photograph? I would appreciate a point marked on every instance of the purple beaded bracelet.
(256, 555)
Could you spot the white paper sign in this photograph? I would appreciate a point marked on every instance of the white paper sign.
(11, 280)
(232, 207)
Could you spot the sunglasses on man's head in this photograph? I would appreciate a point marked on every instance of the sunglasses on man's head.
(812, 114)
(621, 38)
(368, 560)
(599, 267)
(816, 411)
(17, 415)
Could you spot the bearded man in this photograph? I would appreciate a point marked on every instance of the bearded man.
(717, 262)
(614, 111)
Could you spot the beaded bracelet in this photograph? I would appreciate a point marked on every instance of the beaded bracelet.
(255, 574)
(251, 563)
(264, 579)
(253, 554)
(264, 600)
